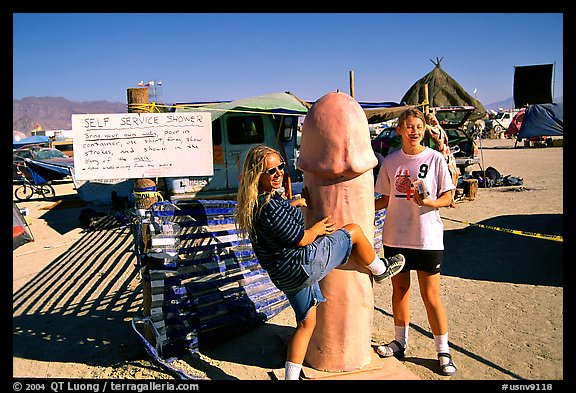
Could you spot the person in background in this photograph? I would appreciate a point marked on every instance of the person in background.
(376, 169)
(440, 138)
(295, 258)
(413, 227)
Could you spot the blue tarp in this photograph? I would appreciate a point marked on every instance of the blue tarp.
(542, 120)
(42, 171)
(30, 141)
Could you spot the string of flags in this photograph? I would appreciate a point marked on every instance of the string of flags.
(149, 83)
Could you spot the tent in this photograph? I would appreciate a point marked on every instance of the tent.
(542, 120)
(21, 233)
(443, 90)
(514, 127)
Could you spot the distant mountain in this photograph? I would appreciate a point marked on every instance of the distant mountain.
(509, 103)
(55, 113)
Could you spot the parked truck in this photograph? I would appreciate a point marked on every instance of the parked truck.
(502, 120)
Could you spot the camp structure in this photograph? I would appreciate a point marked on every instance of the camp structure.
(21, 233)
(443, 90)
(514, 127)
(542, 120)
(533, 91)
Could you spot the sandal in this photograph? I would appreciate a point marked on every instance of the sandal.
(448, 368)
(385, 351)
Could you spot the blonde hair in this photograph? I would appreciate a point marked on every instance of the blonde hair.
(248, 192)
(430, 117)
(410, 112)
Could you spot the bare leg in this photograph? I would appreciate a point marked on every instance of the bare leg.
(299, 342)
(430, 291)
(362, 248)
(401, 299)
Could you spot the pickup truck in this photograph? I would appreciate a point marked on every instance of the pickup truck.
(452, 119)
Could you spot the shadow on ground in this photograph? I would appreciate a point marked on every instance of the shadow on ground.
(262, 347)
(496, 255)
(78, 309)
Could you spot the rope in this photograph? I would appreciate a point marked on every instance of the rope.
(513, 231)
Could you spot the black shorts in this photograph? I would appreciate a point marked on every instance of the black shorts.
(429, 261)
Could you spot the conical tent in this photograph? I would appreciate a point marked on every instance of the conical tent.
(443, 90)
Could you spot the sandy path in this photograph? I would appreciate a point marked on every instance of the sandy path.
(75, 292)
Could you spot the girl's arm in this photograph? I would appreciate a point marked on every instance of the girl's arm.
(300, 202)
(445, 199)
(382, 202)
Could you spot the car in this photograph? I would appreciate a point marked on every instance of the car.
(386, 139)
(42, 154)
(452, 120)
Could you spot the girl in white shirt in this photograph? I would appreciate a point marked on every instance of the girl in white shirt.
(413, 227)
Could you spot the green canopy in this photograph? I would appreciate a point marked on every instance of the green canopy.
(274, 103)
(286, 104)
(443, 90)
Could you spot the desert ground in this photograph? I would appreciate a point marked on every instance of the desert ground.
(75, 292)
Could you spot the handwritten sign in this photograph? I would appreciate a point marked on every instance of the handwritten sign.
(138, 145)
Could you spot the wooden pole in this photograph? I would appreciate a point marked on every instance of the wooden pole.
(352, 84)
(426, 102)
(138, 103)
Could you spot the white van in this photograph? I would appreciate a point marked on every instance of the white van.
(270, 120)
(502, 120)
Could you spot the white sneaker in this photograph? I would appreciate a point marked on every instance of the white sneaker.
(393, 266)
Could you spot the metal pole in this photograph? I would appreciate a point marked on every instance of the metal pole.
(482, 159)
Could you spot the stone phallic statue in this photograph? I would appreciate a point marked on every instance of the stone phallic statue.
(337, 160)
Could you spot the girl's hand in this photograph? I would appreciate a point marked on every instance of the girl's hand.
(417, 198)
(300, 202)
(321, 228)
(324, 226)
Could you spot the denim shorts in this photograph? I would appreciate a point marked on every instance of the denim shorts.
(323, 255)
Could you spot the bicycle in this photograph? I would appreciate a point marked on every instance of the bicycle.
(28, 188)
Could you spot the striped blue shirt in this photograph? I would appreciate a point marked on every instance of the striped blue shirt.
(279, 228)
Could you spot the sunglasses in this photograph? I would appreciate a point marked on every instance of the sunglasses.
(272, 171)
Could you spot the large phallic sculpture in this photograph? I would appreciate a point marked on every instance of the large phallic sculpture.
(337, 160)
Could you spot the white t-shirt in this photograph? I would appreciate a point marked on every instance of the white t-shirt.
(408, 225)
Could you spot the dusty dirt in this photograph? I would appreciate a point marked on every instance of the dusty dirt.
(76, 292)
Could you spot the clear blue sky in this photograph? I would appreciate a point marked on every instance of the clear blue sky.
(90, 56)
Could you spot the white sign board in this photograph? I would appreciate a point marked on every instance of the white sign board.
(140, 145)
